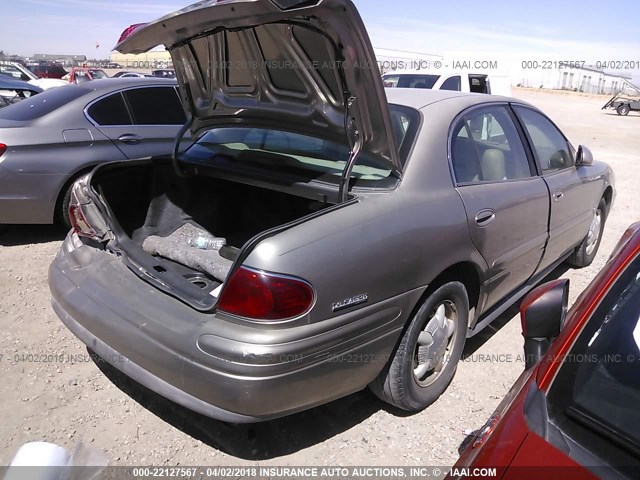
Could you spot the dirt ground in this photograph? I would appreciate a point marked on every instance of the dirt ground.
(72, 399)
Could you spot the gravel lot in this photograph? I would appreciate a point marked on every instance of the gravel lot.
(72, 399)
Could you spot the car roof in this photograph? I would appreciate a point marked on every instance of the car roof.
(419, 98)
(109, 84)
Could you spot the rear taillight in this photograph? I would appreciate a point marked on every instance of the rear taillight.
(84, 216)
(3, 148)
(129, 30)
(265, 296)
(79, 222)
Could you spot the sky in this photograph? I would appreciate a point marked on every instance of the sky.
(590, 31)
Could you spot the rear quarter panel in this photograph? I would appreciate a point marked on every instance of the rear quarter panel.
(386, 244)
(39, 163)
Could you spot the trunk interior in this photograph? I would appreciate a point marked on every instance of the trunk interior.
(148, 199)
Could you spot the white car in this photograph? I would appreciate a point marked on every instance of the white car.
(17, 71)
(457, 80)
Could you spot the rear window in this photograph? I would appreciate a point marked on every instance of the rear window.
(42, 104)
(313, 157)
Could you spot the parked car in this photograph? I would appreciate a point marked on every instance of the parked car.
(83, 74)
(574, 413)
(50, 140)
(456, 80)
(113, 65)
(20, 72)
(164, 73)
(48, 70)
(130, 75)
(12, 91)
(366, 235)
(623, 104)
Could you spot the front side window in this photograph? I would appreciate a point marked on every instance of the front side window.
(486, 147)
(551, 147)
(596, 394)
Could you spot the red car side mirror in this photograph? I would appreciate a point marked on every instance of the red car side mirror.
(542, 314)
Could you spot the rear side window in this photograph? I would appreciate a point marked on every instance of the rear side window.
(551, 147)
(452, 83)
(155, 106)
(110, 111)
(43, 103)
(486, 147)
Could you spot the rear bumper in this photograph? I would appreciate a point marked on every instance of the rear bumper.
(218, 367)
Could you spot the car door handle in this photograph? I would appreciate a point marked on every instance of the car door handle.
(485, 217)
(130, 139)
(557, 195)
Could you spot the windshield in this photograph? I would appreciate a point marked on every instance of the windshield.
(410, 81)
(320, 159)
(609, 387)
(96, 74)
(16, 72)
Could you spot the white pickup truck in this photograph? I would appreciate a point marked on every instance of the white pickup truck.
(458, 80)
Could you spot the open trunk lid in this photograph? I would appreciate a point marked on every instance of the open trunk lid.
(305, 66)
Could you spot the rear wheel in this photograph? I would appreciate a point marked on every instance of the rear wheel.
(62, 213)
(623, 109)
(428, 354)
(584, 254)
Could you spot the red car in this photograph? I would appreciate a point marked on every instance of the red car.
(50, 70)
(575, 412)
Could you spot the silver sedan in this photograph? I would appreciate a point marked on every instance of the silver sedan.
(50, 140)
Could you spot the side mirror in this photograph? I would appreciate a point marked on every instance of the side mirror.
(542, 314)
(584, 156)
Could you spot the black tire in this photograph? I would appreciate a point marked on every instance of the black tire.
(623, 109)
(584, 253)
(62, 211)
(397, 384)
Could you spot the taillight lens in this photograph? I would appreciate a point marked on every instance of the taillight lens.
(84, 216)
(3, 148)
(79, 222)
(265, 296)
(129, 30)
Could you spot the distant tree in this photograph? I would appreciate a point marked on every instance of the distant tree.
(2, 54)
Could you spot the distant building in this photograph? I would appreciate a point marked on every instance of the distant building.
(585, 79)
(149, 60)
(66, 60)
